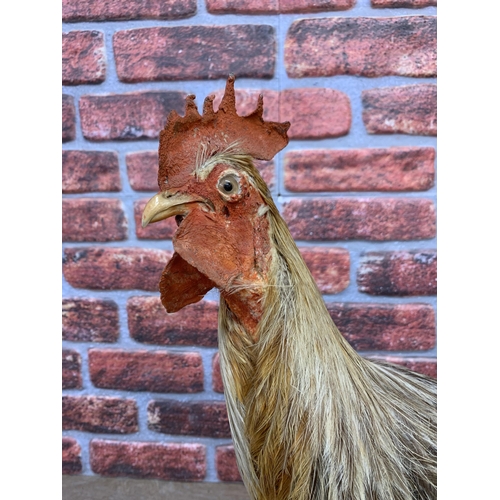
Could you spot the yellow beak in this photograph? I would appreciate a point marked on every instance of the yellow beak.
(164, 205)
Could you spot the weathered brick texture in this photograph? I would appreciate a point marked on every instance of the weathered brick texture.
(195, 418)
(68, 118)
(408, 4)
(154, 371)
(194, 52)
(373, 169)
(117, 10)
(375, 219)
(142, 170)
(276, 6)
(315, 113)
(90, 320)
(71, 456)
(133, 116)
(370, 46)
(71, 369)
(83, 57)
(170, 462)
(100, 268)
(149, 323)
(410, 109)
(90, 171)
(398, 273)
(289, 6)
(329, 267)
(99, 414)
(93, 219)
(225, 463)
(386, 327)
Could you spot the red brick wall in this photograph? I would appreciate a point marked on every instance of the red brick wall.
(142, 389)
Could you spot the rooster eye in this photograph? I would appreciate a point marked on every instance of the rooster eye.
(228, 185)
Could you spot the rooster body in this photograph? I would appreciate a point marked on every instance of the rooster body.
(310, 418)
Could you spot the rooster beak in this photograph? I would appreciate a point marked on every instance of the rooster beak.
(166, 204)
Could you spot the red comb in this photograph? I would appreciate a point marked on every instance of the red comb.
(215, 131)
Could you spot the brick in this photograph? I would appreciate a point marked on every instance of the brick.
(398, 273)
(194, 52)
(373, 219)
(99, 268)
(68, 118)
(90, 320)
(154, 371)
(225, 464)
(93, 219)
(71, 369)
(315, 113)
(243, 6)
(161, 230)
(362, 46)
(170, 462)
(83, 57)
(386, 327)
(71, 456)
(217, 384)
(142, 170)
(74, 11)
(407, 4)
(193, 418)
(195, 324)
(409, 109)
(426, 366)
(276, 6)
(126, 117)
(307, 6)
(384, 169)
(90, 171)
(329, 267)
(99, 414)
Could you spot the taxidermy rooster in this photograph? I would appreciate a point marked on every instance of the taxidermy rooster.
(310, 418)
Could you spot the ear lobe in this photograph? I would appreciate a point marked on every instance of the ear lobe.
(182, 284)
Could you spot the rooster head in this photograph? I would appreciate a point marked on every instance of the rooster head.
(208, 182)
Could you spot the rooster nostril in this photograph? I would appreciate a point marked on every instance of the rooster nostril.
(179, 218)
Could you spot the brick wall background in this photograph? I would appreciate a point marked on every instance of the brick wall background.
(142, 394)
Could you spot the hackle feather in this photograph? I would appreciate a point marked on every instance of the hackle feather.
(310, 418)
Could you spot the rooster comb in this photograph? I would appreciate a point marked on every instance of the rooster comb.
(215, 131)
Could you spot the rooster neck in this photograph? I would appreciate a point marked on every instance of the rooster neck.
(310, 418)
(268, 389)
